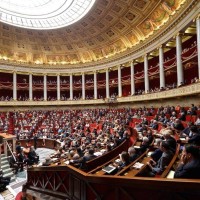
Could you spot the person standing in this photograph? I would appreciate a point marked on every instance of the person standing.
(35, 140)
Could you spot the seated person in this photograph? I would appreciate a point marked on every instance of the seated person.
(195, 136)
(82, 161)
(124, 161)
(143, 147)
(187, 132)
(132, 154)
(168, 137)
(156, 168)
(4, 181)
(20, 159)
(32, 157)
(177, 125)
(189, 166)
(157, 153)
(13, 162)
(150, 136)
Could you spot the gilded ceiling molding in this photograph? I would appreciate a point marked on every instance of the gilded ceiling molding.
(179, 20)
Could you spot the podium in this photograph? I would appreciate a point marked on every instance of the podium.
(5, 140)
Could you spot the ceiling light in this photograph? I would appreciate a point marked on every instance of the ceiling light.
(43, 14)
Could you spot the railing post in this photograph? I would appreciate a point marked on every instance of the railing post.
(5, 147)
(14, 145)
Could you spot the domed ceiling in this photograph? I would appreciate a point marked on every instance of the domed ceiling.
(108, 29)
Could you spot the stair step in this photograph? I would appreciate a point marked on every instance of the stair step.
(10, 174)
(4, 158)
(7, 170)
(4, 162)
(3, 167)
(3, 155)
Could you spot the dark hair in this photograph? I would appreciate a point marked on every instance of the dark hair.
(194, 150)
(125, 157)
(78, 150)
(194, 129)
(91, 151)
(165, 145)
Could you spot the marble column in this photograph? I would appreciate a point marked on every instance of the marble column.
(146, 76)
(45, 87)
(119, 81)
(83, 86)
(95, 85)
(58, 87)
(107, 84)
(71, 86)
(30, 87)
(161, 67)
(14, 86)
(180, 72)
(132, 79)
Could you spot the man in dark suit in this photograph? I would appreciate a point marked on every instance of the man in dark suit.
(158, 168)
(189, 166)
(132, 154)
(195, 136)
(81, 162)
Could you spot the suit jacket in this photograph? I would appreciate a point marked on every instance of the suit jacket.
(189, 170)
(163, 162)
(195, 139)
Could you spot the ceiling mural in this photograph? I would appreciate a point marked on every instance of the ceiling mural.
(110, 28)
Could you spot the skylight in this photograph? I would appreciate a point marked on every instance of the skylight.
(43, 14)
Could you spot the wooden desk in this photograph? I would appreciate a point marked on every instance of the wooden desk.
(133, 172)
(11, 139)
(99, 170)
(7, 136)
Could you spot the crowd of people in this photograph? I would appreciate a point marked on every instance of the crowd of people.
(81, 133)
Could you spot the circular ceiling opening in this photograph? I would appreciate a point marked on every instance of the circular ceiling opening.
(43, 14)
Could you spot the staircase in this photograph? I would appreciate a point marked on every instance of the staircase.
(7, 171)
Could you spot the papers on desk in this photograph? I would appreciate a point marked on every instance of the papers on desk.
(98, 153)
(149, 153)
(67, 162)
(108, 169)
(117, 160)
(54, 159)
(103, 150)
(182, 139)
(136, 147)
(111, 144)
(137, 165)
(171, 174)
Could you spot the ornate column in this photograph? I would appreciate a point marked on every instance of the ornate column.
(107, 84)
(83, 86)
(180, 75)
(95, 85)
(71, 86)
(119, 81)
(14, 86)
(132, 79)
(146, 76)
(58, 87)
(30, 87)
(198, 43)
(161, 67)
(45, 87)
